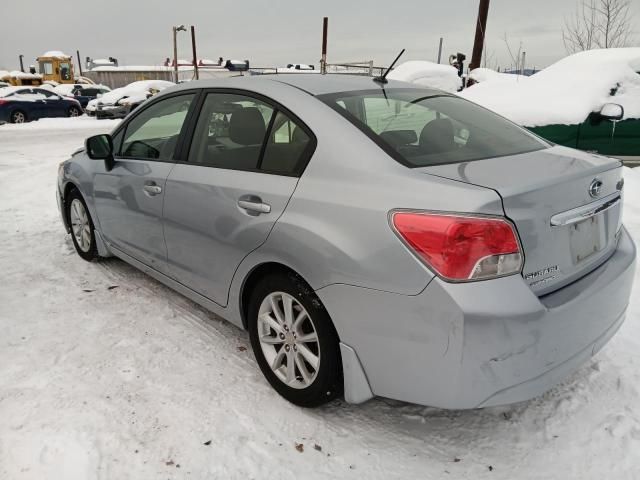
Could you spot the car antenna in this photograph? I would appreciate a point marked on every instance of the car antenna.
(383, 78)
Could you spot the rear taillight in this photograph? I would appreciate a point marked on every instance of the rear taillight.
(3, 102)
(461, 248)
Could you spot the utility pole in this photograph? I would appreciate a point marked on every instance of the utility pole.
(524, 56)
(440, 50)
(323, 60)
(21, 64)
(195, 56)
(79, 62)
(481, 28)
(175, 49)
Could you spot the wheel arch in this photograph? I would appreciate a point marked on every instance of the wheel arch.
(68, 188)
(255, 275)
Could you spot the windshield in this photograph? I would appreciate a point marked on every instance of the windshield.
(421, 130)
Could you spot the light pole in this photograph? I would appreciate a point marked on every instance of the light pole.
(181, 28)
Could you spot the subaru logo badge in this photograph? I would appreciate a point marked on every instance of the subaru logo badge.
(595, 188)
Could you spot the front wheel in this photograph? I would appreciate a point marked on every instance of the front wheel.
(74, 112)
(294, 341)
(82, 233)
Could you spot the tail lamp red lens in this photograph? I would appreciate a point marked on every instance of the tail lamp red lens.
(460, 247)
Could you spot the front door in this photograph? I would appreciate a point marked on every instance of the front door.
(242, 169)
(129, 198)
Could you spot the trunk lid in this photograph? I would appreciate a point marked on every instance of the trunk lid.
(566, 228)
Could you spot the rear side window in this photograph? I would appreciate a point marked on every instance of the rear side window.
(153, 134)
(239, 132)
(420, 130)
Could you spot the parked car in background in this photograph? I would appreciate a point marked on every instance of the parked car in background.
(119, 102)
(24, 104)
(589, 100)
(85, 93)
(388, 239)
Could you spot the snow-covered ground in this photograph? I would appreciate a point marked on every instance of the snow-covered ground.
(107, 374)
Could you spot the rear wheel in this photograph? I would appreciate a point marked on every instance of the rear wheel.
(18, 116)
(74, 112)
(82, 228)
(294, 340)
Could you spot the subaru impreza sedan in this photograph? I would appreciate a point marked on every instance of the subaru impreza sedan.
(374, 239)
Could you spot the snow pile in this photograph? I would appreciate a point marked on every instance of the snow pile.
(486, 74)
(427, 74)
(133, 93)
(62, 123)
(567, 91)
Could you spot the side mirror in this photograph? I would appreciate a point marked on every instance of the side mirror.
(612, 111)
(99, 147)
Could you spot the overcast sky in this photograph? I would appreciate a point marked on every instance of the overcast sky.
(277, 32)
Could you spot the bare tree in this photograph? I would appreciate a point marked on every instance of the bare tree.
(598, 24)
(516, 58)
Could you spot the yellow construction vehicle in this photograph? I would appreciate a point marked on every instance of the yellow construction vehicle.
(56, 66)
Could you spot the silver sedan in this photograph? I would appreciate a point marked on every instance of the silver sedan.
(374, 239)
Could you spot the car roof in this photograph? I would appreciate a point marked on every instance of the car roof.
(8, 90)
(314, 84)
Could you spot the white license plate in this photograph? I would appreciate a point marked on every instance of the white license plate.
(586, 238)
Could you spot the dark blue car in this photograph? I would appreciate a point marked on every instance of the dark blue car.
(84, 94)
(23, 104)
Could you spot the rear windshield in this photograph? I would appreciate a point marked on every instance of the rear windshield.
(421, 130)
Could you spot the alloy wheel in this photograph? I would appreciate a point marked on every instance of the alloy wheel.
(18, 117)
(288, 340)
(80, 225)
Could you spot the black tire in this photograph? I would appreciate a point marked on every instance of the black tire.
(18, 116)
(74, 112)
(328, 382)
(91, 253)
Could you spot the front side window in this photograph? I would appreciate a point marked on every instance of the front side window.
(153, 134)
(46, 68)
(243, 133)
(65, 71)
(420, 130)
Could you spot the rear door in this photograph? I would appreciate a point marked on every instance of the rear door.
(54, 106)
(243, 166)
(129, 198)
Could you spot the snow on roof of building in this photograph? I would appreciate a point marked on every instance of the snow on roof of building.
(567, 91)
(428, 74)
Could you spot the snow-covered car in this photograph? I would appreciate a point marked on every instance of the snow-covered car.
(387, 239)
(24, 104)
(589, 100)
(119, 102)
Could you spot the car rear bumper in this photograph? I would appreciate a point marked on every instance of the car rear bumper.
(479, 344)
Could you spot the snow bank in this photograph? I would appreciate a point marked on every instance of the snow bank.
(567, 91)
(62, 123)
(428, 74)
(486, 74)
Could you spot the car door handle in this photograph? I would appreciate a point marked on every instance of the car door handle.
(255, 206)
(152, 189)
